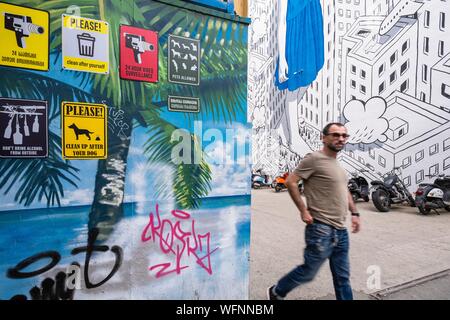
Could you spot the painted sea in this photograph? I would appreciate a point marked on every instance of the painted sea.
(151, 266)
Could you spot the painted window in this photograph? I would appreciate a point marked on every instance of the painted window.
(426, 45)
(393, 77)
(405, 47)
(407, 181)
(420, 155)
(434, 149)
(381, 87)
(382, 161)
(423, 96)
(425, 73)
(363, 74)
(363, 89)
(434, 170)
(426, 20)
(419, 176)
(446, 144)
(404, 86)
(406, 162)
(393, 58)
(381, 69)
(404, 67)
(442, 21)
(441, 48)
(447, 163)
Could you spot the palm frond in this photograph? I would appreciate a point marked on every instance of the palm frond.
(191, 182)
(35, 179)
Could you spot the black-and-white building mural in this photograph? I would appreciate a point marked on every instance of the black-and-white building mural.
(386, 75)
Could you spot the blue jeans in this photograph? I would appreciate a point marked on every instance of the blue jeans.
(322, 242)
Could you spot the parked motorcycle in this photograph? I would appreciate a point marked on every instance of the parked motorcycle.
(434, 195)
(390, 191)
(358, 186)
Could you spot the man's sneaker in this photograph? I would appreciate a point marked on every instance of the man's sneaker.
(271, 295)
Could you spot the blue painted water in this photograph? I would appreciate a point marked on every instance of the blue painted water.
(24, 233)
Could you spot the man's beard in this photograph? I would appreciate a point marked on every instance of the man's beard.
(334, 148)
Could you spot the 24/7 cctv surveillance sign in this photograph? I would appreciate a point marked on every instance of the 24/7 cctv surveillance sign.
(85, 44)
(138, 54)
(24, 33)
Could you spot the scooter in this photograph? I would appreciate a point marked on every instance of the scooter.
(391, 190)
(434, 195)
(259, 182)
(358, 186)
(279, 183)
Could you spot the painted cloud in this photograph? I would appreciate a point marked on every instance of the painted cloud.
(365, 120)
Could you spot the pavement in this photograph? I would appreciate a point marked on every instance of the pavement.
(400, 254)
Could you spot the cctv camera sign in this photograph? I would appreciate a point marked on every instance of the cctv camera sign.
(85, 44)
(84, 130)
(138, 54)
(24, 35)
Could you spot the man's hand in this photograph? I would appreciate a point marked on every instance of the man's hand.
(356, 224)
(306, 217)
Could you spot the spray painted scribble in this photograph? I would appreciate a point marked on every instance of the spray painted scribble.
(177, 243)
(365, 120)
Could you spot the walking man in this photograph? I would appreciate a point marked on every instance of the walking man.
(328, 202)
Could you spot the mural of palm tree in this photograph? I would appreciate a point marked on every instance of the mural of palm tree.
(222, 92)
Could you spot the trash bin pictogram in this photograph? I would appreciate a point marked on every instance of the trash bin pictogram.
(86, 44)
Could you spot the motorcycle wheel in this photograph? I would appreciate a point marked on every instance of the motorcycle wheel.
(277, 188)
(366, 199)
(423, 210)
(447, 208)
(411, 201)
(355, 197)
(381, 200)
(256, 186)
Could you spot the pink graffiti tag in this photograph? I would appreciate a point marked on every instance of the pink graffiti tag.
(174, 241)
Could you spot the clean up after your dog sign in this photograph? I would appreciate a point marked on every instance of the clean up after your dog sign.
(84, 130)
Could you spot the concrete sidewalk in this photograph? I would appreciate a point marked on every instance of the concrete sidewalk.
(403, 245)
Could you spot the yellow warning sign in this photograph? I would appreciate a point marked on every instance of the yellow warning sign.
(24, 33)
(85, 44)
(84, 130)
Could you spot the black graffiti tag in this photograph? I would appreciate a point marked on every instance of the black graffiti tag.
(57, 289)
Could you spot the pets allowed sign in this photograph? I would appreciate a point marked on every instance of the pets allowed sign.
(84, 130)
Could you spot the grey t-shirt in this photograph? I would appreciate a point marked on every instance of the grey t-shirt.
(326, 190)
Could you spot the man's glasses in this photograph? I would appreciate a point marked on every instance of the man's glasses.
(338, 135)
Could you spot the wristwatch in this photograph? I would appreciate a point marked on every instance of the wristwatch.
(356, 214)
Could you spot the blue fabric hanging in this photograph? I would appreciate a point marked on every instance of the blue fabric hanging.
(304, 44)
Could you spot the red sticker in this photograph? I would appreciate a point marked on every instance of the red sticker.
(138, 54)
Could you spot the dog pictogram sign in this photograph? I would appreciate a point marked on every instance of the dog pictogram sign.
(24, 33)
(84, 130)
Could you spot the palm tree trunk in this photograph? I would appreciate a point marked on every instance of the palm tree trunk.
(107, 206)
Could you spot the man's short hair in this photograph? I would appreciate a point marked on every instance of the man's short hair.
(326, 129)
